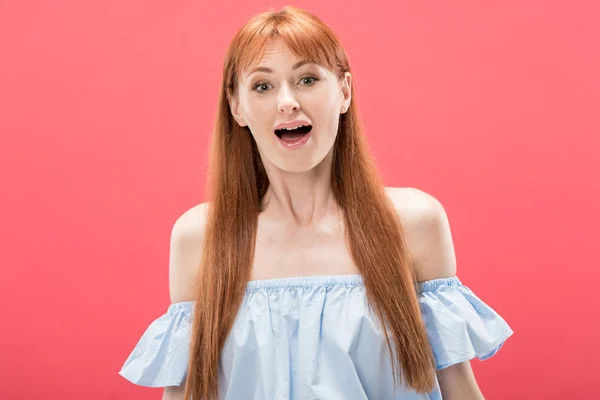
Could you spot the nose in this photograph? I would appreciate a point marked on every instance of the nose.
(286, 102)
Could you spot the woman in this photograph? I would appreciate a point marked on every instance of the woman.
(304, 277)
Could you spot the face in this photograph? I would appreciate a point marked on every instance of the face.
(281, 90)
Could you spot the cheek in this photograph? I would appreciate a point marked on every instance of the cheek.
(249, 110)
(328, 107)
(259, 117)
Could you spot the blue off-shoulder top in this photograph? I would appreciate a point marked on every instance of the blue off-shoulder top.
(317, 338)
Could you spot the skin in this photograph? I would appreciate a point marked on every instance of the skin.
(299, 207)
(299, 191)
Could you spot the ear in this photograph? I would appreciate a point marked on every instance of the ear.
(346, 86)
(234, 106)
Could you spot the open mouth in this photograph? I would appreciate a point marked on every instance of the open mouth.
(290, 135)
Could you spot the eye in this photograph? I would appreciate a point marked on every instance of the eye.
(309, 78)
(260, 87)
(263, 86)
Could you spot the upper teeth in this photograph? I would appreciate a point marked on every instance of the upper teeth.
(295, 127)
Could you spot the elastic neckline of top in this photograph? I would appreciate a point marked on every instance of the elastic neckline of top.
(306, 281)
(348, 280)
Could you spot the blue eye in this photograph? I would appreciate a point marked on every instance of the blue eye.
(310, 77)
(259, 84)
(262, 86)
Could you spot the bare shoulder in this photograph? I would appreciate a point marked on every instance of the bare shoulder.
(185, 253)
(418, 210)
(427, 231)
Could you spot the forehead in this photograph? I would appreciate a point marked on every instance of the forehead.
(275, 55)
(277, 48)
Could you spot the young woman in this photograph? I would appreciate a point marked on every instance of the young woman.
(304, 277)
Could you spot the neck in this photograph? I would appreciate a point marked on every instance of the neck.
(300, 199)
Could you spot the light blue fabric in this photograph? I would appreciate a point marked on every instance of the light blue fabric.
(317, 338)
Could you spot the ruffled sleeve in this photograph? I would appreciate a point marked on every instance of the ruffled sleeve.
(459, 325)
(161, 356)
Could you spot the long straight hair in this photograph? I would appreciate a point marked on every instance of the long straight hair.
(236, 183)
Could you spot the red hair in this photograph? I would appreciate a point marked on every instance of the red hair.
(236, 183)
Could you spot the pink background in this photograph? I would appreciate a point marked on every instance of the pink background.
(105, 114)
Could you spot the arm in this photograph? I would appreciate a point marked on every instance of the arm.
(173, 393)
(185, 252)
(429, 239)
(458, 382)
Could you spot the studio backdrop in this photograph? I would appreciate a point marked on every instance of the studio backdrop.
(106, 111)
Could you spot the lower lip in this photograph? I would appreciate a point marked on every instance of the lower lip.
(298, 143)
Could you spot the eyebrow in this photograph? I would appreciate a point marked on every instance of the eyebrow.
(269, 70)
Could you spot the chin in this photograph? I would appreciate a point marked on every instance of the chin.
(295, 169)
(300, 164)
